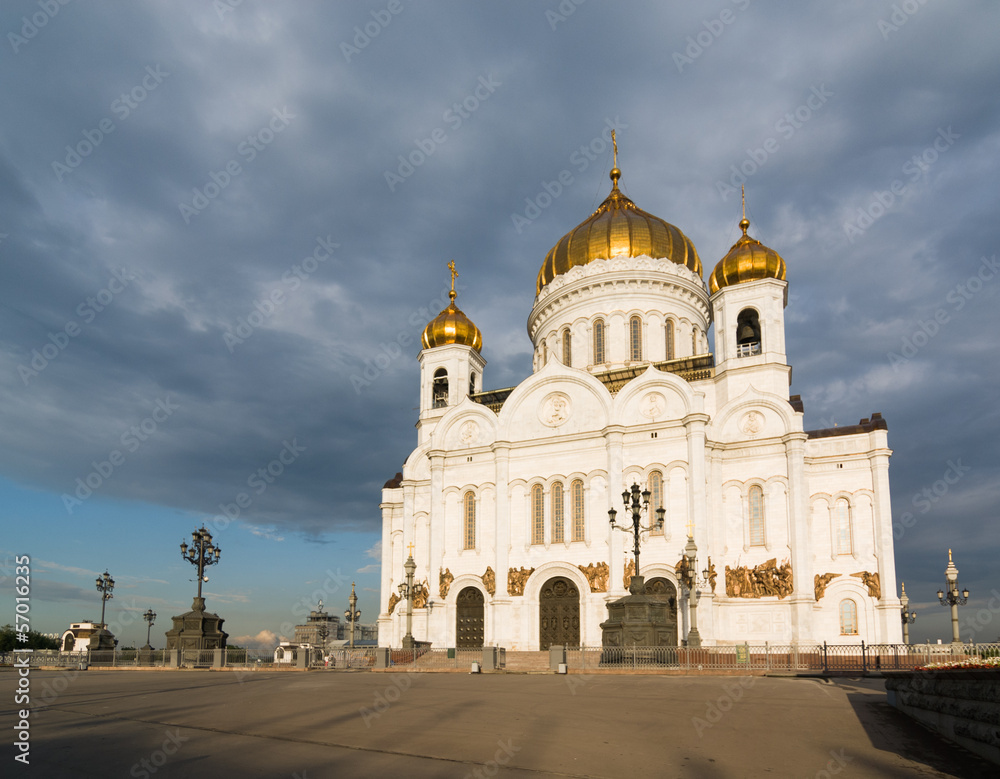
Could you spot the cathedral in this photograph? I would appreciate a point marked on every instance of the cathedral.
(753, 528)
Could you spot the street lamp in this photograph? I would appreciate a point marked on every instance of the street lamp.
(635, 503)
(689, 579)
(201, 554)
(150, 617)
(406, 591)
(105, 584)
(353, 613)
(951, 597)
(905, 614)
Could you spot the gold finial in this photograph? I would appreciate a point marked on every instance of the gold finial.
(615, 173)
(614, 143)
(903, 585)
(949, 555)
(744, 222)
(454, 275)
(410, 547)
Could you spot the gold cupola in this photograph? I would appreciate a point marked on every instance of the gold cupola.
(451, 326)
(618, 227)
(747, 260)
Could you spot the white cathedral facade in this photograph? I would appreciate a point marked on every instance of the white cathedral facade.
(504, 502)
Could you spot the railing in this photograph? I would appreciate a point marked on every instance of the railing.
(346, 658)
(748, 350)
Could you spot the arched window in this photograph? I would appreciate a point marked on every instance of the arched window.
(842, 518)
(472, 383)
(669, 327)
(440, 389)
(557, 513)
(756, 515)
(747, 333)
(694, 341)
(543, 350)
(469, 513)
(537, 514)
(655, 500)
(567, 344)
(635, 338)
(576, 498)
(848, 617)
(599, 342)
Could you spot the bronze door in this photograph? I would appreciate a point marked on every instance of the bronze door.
(470, 622)
(663, 590)
(559, 614)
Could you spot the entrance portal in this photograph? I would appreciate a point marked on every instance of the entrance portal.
(559, 614)
(470, 630)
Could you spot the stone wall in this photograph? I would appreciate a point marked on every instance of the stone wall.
(963, 706)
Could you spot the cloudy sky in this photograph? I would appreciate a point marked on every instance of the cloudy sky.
(223, 226)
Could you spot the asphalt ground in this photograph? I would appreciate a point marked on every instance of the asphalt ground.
(359, 724)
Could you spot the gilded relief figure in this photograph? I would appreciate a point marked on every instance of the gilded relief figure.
(393, 600)
(871, 581)
(597, 576)
(516, 579)
(682, 568)
(629, 573)
(712, 575)
(444, 582)
(420, 595)
(764, 580)
(490, 581)
(821, 581)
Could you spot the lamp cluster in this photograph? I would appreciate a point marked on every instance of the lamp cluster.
(201, 553)
(636, 502)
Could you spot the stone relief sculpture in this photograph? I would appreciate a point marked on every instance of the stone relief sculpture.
(490, 581)
(393, 600)
(444, 582)
(555, 409)
(871, 581)
(597, 576)
(821, 581)
(764, 580)
(516, 579)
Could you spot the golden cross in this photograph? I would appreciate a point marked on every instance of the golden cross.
(454, 274)
(743, 197)
(614, 143)
(411, 549)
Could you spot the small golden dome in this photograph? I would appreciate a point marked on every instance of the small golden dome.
(747, 260)
(618, 227)
(451, 326)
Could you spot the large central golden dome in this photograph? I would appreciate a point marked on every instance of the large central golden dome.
(618, 227)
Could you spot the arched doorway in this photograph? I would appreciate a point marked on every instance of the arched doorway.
(559, 614)
(69, 642)
(663, 590)
(469, 625)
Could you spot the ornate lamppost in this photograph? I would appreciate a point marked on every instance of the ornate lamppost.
(635, 503)
(689, 580)
(105, 585)
(353, 613)
(150, 617)
(406, 591)
(201, 554)
(952, 598)
(907, 616)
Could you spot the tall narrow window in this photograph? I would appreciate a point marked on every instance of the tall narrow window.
(694, 341)
(469, 513)
(544, 351)
(557, 513)
(635, 338)
(567, 345)
(756, 516)
(440, 389)
(747, 333)
(670, 338)
(843, 524)
(537, 514)
(599, 342)
(576, 496)
(848, 618)
(655, 500)
(472, 383)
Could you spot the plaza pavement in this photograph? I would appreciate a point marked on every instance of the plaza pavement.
(357, 724)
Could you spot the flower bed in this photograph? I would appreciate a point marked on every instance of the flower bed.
(968, 664)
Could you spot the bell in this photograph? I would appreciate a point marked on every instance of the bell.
(747, 334)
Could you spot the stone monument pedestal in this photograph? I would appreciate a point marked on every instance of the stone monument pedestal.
(639, 620)
(102, 638)
(195, 631)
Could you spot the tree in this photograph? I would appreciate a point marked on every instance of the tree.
(9, 640)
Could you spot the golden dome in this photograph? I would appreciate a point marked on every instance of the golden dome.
(747, 260)
(618, 227)
(451, 326)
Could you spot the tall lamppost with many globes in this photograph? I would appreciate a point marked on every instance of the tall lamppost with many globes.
(150, 617)
(406, 592)
(105, 585)
(353, 613)
(908, 617)
(201, 554)
(636, 502)
(952, 598)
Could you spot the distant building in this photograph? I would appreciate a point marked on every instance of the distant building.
(82, 636)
